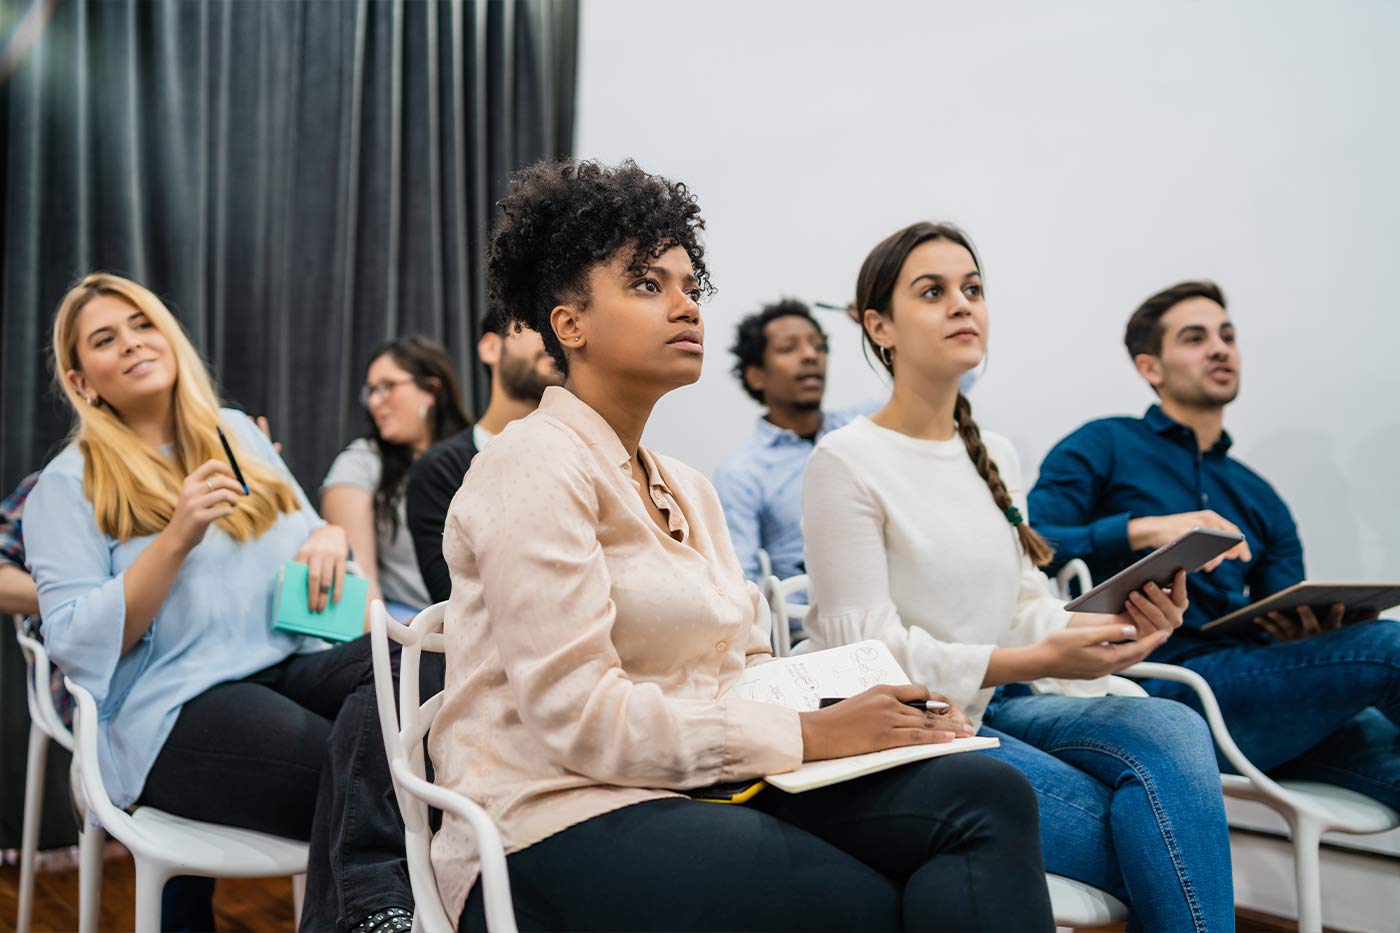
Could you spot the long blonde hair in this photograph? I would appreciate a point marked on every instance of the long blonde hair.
(134, 487)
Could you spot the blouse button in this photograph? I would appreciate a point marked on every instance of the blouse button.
(721, 646)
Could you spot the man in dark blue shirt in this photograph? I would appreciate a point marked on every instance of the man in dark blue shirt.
(1307, 698)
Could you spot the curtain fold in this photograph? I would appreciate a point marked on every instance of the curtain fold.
(300, 181)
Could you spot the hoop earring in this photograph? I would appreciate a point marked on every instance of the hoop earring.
(887, 356)
(92, 400)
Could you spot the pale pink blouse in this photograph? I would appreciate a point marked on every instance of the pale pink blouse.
(588, 652)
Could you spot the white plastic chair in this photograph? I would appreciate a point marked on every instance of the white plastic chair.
(44, 724)
(404, 729)
(765, 565)
(162, 845)
(1310, 809)
(1074, 903)
(782, 611)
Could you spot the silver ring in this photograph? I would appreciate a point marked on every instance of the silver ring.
(209, 484)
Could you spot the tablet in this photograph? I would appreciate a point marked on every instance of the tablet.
(1190, 552)
(1361, 599)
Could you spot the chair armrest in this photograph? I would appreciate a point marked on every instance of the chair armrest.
(1075, 570)
(37, 690)
(1219, 731)
(500, 912)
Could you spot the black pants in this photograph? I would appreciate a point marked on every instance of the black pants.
(295, 750)
(949, 844)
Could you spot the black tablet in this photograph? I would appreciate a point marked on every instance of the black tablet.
(1190, 552)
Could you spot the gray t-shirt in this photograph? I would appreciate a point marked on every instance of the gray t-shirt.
(359, 465)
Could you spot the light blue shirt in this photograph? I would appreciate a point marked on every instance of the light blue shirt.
(760, 487)
(213, 627)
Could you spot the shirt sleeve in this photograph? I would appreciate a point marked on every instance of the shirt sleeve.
(742, 500)
(843, 527)
(547, 589)
(357, 465)
(432, 482)
(1062, 504)
(82, 603)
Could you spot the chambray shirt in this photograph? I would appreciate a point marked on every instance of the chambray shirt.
(760, 487)
(213, 627)
(1116, 469)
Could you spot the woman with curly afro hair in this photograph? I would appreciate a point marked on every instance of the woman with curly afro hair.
(599, 618)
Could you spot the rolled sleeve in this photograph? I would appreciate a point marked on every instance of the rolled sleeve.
(82, 602)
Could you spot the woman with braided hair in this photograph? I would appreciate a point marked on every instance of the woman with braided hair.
(916, 535)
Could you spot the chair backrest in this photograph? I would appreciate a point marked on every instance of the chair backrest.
(783, 610)
(1075, 571)
(38, 677)
(404, 729)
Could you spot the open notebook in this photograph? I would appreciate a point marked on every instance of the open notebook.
(801, 681)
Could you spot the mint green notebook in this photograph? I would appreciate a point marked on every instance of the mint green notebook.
(342, 621)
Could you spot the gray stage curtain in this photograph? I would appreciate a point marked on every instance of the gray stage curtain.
(299, 180)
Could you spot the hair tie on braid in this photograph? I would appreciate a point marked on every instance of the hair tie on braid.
(1013, 515)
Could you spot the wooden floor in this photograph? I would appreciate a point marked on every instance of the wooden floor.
(258, 905)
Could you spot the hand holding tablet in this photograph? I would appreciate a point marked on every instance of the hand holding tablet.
(1191, 551)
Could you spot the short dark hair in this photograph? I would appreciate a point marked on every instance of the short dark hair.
(1144, 333)
(560, 219)
(750, 341)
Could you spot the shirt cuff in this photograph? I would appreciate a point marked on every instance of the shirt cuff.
(1108, 537)
(760, 738)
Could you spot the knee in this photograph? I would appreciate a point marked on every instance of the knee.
(996, 793)
(1168, 735)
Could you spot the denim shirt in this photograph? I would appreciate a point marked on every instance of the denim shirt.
(213, 627)
(1116, 469)
(760, 487)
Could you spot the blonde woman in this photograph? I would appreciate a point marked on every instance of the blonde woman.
(156, 573)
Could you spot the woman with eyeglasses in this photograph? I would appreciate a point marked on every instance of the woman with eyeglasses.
(413, 401)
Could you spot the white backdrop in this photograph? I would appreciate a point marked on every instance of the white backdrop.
(1096, 151)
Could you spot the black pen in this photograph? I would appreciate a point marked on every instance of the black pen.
(232, 462)
(932, 706)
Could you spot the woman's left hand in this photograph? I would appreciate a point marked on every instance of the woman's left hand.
(324, 553)
(1150, 609)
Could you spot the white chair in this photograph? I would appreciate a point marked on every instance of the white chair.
(161, 844)
(404, 730)
(765, 565)
(783, 611)
(44, 724)
(1309, 808)
(1074, 903)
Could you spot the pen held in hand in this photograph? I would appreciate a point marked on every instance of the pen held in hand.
(931, 706)
(228, 452)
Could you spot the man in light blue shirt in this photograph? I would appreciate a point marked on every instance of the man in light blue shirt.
(780, 360)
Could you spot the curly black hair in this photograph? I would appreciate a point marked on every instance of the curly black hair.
(560, 219)
(750, 341)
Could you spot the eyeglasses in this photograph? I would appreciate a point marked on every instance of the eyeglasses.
(368, 392)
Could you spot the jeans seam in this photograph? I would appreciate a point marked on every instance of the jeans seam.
(1164, 826)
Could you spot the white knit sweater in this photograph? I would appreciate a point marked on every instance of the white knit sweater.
(904, 543)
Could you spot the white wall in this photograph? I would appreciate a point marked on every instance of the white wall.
(1097, 151)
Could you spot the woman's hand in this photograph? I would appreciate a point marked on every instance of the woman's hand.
(1150, 609)
(1085, 652)
(876, 720)
(325, 552)
(207, 495)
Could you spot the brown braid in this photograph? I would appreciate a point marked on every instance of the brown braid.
(1032, 543)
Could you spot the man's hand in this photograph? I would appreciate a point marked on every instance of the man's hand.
(1304, 623)
(1153, 531)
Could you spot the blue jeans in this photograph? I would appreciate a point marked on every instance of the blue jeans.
(1325, 708)
(1129, 801)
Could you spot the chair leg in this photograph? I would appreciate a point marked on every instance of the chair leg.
(1307, 840)
(150, 882)
(29, 835)
(91, 841)
(298, 899)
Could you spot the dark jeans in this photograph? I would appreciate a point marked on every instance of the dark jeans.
(949, 844)
(295, 750)
(1325, 708)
